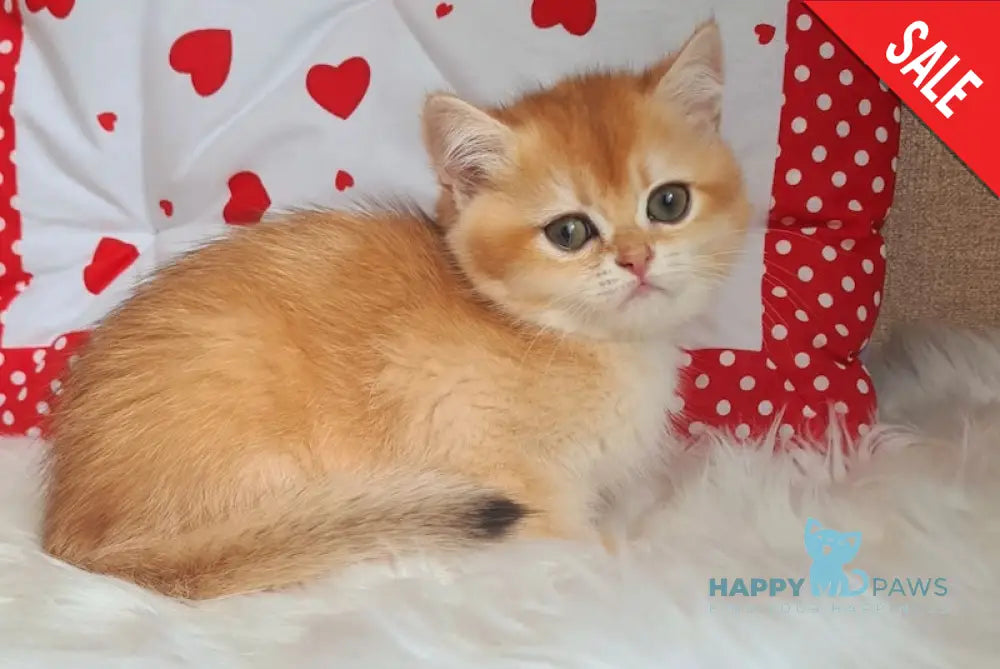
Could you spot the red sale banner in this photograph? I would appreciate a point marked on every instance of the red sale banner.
(940, 57)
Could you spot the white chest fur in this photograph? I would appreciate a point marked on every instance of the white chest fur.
(630, 430)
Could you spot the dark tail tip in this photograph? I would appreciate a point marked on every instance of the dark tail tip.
(495, 517)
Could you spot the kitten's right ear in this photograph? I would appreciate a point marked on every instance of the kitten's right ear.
(691, 79)
(467, 146)
(812, 525)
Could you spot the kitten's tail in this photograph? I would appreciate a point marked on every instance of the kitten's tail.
(860, 590)
(306, 533)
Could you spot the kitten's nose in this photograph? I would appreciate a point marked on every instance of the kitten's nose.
(635, 259)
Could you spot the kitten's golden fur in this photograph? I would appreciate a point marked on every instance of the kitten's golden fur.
(331, 387)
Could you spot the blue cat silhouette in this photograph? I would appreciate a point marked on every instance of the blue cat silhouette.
(830, 551)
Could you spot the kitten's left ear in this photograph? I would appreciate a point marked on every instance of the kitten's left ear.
(693, 78)
(467, 146)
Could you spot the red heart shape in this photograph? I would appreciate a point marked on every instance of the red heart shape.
(576, 16)
(107, 120)
(58, 8)
(339, 89)
(765, 32)
(443, 10)
(248, 199)
(206, 55)
(168, 208)
(111, 258)
(343, 180)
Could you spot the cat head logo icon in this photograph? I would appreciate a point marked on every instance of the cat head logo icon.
(830, 551)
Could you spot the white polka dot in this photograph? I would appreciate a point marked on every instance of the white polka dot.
(808, 412)
(42, 408)
(8, 418)
(675, 403)
(809, 230)
(841, 329)
(863, 387)
(723, 407)
(696, 428)
(787, 220)
(789, 386)
(793, 177)
(838, 178)
(847, 283)
(840, 407)
(854, 205)
(826, 50)
(6, 46)
(843, 129)
(727, 358)
(742, 431)
(825, 300)
(821, 383)
(881, 251)
(765, 408)
(702, 381)
(868, 266)
(747, 383)
(806, 273)
(779, 332)
(18, 378)
(877, 298)
(846, 77)
(863, 429)
(3, 87)
(802, 360)
(786, 431)
(835, 224)
(882, 86)
(34, 432)
(878, 185)
(895, 114)
(881, 134)
(819, 341)
(770, 364)
(847, 244)
(862, 313)
(779, 291)
(829, 253)
(60, 344)
(784, 247)
(801, 315)
(773, 202)
(779, 150)
(799, 125)
(865, 107)
(22, 394)
(824, 102)
(804, 22)
(814, 204)
(801, 73)
(819, 153)
(56, 385)
(861, 158)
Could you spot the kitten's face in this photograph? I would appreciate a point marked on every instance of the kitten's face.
(826, 545)
(607, 205)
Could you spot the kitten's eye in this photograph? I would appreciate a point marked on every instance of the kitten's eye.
(571, 232)
(669, 203)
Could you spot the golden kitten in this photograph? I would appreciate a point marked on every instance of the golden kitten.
(333, 387)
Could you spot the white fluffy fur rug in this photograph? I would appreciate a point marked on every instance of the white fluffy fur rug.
(924, 494)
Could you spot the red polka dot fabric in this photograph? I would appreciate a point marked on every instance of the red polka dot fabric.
(824, 256)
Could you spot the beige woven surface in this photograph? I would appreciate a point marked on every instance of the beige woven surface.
(943, 238)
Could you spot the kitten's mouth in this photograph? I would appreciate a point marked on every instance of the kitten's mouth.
(641, 290)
